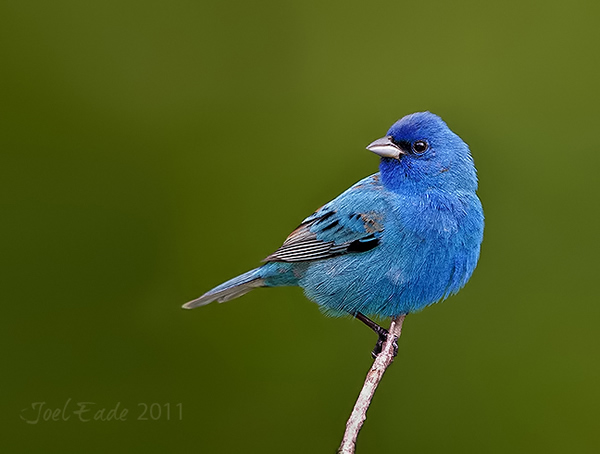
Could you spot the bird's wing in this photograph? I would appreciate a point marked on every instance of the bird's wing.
(352, 222)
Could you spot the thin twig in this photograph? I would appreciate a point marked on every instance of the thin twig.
(381, 363)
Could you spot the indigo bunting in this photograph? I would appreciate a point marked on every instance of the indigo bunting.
(395, 242)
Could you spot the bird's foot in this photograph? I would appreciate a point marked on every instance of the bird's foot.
(381, 332)
(383, 335)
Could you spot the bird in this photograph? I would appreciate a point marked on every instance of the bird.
(395, 242)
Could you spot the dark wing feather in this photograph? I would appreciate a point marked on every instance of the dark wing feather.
(337, 228)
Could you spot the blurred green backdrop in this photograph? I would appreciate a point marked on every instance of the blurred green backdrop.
(151, 150)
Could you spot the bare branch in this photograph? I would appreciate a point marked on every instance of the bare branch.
(381, 363)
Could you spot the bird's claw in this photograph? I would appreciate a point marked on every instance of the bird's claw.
(383, 335)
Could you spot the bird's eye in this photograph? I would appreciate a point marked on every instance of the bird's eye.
(420, 146)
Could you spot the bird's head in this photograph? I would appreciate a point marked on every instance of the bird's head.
(420, 150)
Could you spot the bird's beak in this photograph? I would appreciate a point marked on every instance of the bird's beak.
(385, 148)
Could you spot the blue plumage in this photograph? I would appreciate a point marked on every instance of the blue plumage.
(393, 243)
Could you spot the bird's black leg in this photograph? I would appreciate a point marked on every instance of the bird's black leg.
(381, 332)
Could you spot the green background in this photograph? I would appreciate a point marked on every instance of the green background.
(151, 150)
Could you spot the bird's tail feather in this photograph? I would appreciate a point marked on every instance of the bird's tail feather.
(229, 290)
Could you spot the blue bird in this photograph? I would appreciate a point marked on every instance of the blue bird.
(395, 242)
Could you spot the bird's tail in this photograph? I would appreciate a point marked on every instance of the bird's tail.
(229, 290)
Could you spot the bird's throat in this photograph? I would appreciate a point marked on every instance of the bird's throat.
(395, 173)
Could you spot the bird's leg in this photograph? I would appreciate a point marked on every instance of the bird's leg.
(381, 332)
